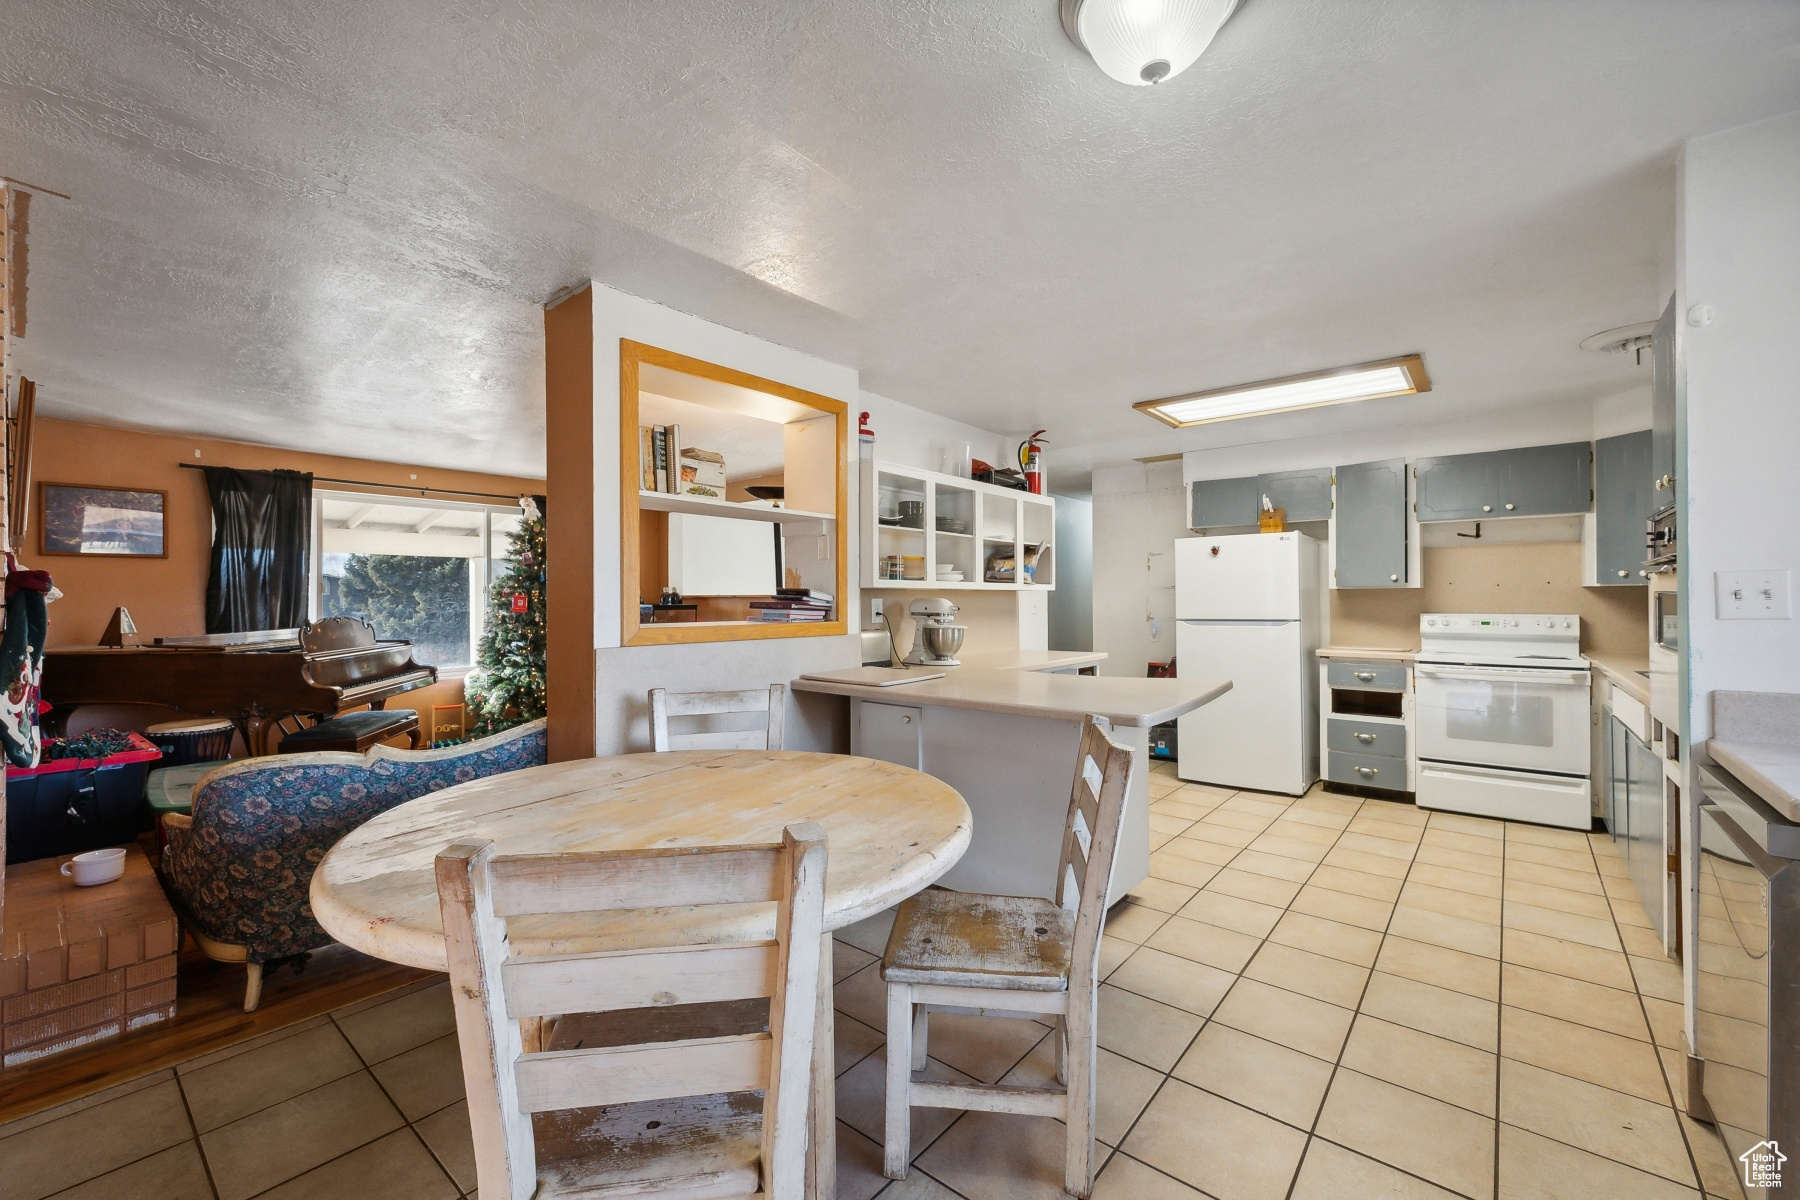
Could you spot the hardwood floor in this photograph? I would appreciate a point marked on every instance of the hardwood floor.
(208, 1016)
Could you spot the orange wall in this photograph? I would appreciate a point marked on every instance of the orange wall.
(167, 596)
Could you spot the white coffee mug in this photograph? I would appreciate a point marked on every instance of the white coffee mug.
(95, 867)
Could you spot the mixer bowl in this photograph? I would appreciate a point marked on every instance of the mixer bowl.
(944, 640)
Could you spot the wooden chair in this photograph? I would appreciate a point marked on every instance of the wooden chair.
(1013, 956)
(617, 1110)
(665, 704)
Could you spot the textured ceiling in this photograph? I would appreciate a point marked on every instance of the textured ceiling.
(330, 225)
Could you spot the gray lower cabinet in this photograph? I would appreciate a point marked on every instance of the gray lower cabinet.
(1371, 676)
(1624, 498)
(891, 732)
(1221, 502)
(1662, 409)
(1369, 525)
(1367, 770)
(1634, 806)
(1527, 482)
(1384, 738)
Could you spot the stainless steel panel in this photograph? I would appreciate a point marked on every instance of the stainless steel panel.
(1773, 833)
(1375, 676)
(1747, 1012)
(1379, 738)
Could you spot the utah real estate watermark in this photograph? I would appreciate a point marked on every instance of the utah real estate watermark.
(1762, 1165)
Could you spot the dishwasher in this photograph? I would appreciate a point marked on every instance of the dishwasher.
(1747, 1006)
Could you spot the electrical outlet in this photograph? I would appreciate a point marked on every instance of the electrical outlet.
(1753, 596)
(875, 612)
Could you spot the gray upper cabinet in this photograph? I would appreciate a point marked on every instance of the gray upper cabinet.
(1662, 409)
(1529, 482)
(1540, 480)
(1459, 487)
(1624, 498)
(1217, 502)
(1305, 495)
(1369, 537)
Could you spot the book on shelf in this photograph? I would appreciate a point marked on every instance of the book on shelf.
(673, 483)
(646, 458)
(789, 615)
(702, 472)
(818, 597)
(784, 605)
(659, 458)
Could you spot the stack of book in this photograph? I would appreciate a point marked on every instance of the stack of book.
(665, 465)
(792, 605)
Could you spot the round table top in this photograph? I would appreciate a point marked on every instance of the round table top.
(891, 831)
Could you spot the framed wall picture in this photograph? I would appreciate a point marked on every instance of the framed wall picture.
(101, 522)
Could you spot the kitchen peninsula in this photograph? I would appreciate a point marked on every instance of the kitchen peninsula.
(1002, 729)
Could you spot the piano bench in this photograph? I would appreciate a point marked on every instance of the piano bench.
(355, 732)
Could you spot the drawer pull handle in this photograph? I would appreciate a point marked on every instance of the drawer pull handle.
(1365, 737)
(1368, 770)
(1366, 676)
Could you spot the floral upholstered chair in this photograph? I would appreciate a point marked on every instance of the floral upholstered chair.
(238, 870)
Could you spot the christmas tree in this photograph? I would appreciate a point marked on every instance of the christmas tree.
(507, 686)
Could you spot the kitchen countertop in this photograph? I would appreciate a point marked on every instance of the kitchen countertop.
(1367, 653)
(1770, 769)
(1623, 672)
(1757, 739)
(1030, 660)
(1018, 682)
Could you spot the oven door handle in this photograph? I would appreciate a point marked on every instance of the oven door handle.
(1501, 674)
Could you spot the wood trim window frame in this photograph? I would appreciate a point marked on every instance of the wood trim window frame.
(633, 633)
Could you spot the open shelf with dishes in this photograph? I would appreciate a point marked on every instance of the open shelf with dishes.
(926, 530)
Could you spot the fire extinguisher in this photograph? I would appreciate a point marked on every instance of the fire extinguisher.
(1031, 455)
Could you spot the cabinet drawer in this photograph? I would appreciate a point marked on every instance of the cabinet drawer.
(1377, 676)
(1366, 737)
(1366, 770)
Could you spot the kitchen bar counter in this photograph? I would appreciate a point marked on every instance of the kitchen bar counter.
(1367, 653)
(997, 685)
(1003, 730)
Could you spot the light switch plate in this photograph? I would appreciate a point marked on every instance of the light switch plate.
(1753, 596)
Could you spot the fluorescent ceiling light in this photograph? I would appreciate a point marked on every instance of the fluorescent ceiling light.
(1144, 42)
(1369, 381)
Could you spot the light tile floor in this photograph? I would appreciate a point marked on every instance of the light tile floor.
(1309, 999)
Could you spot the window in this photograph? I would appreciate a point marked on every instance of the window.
(416, 570)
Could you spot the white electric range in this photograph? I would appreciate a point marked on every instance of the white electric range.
(1501, 724)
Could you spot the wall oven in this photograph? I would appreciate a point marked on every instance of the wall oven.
(1501, 718)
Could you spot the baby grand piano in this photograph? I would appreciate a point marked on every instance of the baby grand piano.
(255, 679)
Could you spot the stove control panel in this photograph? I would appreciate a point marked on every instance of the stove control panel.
(1558, 626)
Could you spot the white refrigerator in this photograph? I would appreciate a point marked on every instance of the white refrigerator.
(1248, 609)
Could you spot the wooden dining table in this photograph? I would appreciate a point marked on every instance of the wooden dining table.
(891, 831)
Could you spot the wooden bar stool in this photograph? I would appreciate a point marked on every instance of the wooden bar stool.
(1013, 956)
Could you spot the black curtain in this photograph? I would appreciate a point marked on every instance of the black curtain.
(262, 527)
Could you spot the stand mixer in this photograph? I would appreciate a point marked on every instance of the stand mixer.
(935, 639)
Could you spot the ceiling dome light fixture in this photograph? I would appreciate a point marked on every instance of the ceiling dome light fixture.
(1143, 42)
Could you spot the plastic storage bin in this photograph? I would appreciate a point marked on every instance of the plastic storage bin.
(106, 796)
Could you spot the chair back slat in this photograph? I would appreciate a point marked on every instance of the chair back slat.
(668, 878)
(699, 704)
(566, 983)
(560, 1079)
(1097, 800)
(493, 991)
(665, 704)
